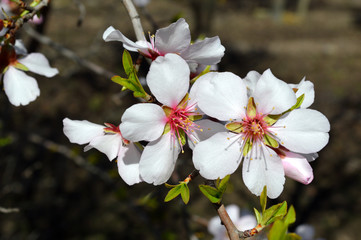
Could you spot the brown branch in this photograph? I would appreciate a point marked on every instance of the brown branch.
(134, 17)
(233, 232)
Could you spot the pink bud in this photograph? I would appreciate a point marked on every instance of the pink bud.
(297, 167)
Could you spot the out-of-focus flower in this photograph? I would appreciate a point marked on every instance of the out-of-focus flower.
(242, 222)
(108, 140)
(20, 88)
(306, 232)
(175, 38)
(261, 130)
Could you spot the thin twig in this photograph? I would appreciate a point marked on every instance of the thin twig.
(80, 161)
(82, 12)
(68, 53)
(134, 17)
(9, 210)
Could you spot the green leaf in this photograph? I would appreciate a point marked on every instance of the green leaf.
(293, 236)
(173, 193)
(275, 212)
(299, 102)
(222, 186)
(211, 193)
(270, 141)
(258, 215)
(263, 199)
(278, 231)
(127, 63)
(185, 193)
(291, 216)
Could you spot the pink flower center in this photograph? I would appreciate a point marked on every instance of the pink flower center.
(112, 129)
(180, 124)
(254, 128)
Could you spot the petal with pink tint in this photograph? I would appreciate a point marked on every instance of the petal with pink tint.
(297, 167)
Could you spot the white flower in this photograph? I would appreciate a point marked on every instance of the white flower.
(20, 88)
(164, 127)
(259, 128)
(242, 222)
(175, 38)
(108, 140)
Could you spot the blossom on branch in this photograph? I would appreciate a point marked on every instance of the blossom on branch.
(108, 140)
(20, 88)
(175, 38)
(265, 125)
(166, 127)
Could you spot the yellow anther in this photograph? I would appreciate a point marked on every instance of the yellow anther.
(228, 138)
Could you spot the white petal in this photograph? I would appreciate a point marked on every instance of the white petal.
(306, 88)
(37, 63)
(128, 164)
(306, 231)
(81, 132)
(217, 156)
(20, 88)
(108, 144)
(303, 130)
(111, 34)
(209, 129)
(251, 81)
(174, 38)
(273, 95)
(208, 51)
(143, 121)
(168, 79)
(158, 160)
(265, 170)
(297, 167)
(222, 95)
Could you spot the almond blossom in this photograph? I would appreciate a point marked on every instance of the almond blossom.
(241, 221)
(296, 166)
(175, 38)
(261, 125)
(166, 127)
(20, 88)
(108, 140)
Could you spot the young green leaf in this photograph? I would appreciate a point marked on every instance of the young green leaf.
(293, 236)
(278, 231)
(299, 102)
(185, 193)
(222, 185)
(263, 199)
(211, 193)
(291, 216)
(258, 216)
(275, 212)
(173, 193)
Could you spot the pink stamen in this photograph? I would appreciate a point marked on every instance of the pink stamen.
(112, 129)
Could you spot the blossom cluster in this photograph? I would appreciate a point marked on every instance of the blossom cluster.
(259, 120)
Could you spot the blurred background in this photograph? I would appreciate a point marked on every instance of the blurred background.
(63, 193)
